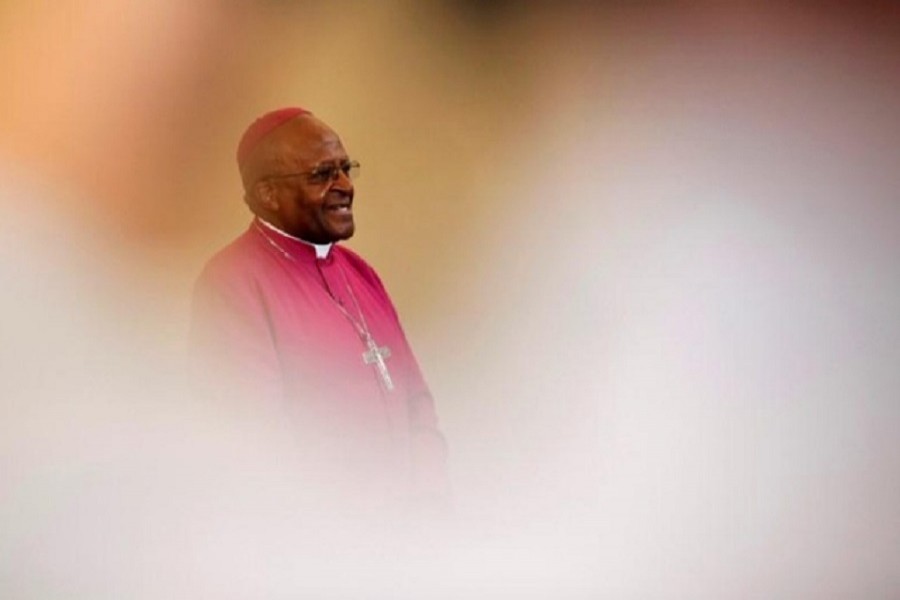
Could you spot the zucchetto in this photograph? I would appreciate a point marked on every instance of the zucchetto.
(262, 126)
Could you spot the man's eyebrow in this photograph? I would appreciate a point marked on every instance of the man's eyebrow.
(333, 162)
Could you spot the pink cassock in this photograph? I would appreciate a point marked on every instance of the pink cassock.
(267, 326)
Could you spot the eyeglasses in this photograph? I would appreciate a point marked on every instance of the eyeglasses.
(324, 173)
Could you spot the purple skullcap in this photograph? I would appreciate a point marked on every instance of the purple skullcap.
(262, 126)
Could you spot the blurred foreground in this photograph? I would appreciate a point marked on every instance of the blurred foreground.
(646, 255)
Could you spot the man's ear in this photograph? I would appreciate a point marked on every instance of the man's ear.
(263, 195)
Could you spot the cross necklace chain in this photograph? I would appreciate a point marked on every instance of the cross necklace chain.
(374, 355)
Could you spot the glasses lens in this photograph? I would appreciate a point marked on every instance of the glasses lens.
(350, 169)
(329, 173)
(323, 174)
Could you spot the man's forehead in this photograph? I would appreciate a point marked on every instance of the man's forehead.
(306, 138)
(305, 128)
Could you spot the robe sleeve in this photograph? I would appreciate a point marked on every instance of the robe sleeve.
(428, 447)
(233, 352)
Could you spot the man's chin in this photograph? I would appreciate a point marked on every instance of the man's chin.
(343, 233)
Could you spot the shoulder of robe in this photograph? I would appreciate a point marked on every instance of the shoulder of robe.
(368, 273)
(358, 264)
(236, 264)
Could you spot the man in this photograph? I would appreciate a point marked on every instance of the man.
(286, 317)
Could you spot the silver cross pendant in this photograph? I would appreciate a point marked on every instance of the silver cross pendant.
(377, 356)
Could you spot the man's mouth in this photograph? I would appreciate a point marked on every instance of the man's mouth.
(339, 202)
(344, 207)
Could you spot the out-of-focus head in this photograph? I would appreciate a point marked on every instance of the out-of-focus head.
(296, 175)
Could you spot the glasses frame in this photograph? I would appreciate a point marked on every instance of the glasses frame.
(323, 173)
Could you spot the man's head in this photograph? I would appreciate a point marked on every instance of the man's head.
(296, 176)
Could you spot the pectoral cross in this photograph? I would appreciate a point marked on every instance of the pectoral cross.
(375, 355)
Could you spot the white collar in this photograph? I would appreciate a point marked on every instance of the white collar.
(322, 250)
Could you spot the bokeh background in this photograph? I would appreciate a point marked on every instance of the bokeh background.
(646, 252)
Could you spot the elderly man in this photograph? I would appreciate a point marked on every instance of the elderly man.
(290, 319)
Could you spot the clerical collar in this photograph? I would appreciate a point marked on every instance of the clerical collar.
(322, 250)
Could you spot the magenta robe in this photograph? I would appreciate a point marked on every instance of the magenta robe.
(266, 327)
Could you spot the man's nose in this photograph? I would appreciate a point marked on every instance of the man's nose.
(342, 182)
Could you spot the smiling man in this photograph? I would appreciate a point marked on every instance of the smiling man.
(303, 328)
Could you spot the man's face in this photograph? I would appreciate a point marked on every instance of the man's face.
(309, 204)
